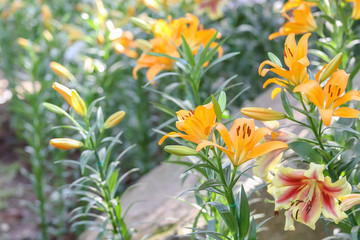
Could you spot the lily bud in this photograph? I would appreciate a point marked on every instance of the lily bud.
(331, 67)
(358, 186)
(348, 201)
(180, 150)
(114, 119)
(46, 12)
(262, 114)
(141, 23)
(64, 91)
(78, 103)
(53, 108)
(66, 143)
(143, 44)
(61, 71)
(100, 39)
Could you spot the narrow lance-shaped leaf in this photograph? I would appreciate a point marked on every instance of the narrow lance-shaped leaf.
(244, 214)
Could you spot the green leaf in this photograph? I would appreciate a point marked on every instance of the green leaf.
(222, 101)
(161, 75)
(221, 59)
(355, 233)
(217, 108)
(53, 108)
(164, 109)
(226, 215)
(187, 51)
(244, 214)
(156, 54)
(100, 118)
(306, 151)
(84, 158)
(202, 165)
(113, 180)
(209, 184)
(274, 59)
(92, 105)
(252, 232)
(286, 104)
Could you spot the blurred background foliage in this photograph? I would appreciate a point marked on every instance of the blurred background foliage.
(76, 35)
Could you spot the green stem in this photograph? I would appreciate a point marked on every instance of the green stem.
(106, 190)
(229, 195)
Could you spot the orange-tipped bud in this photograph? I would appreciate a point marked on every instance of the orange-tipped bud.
(64, 91)
(114, 119)
(61, 71)
(331, 67)
(100, 39)
(45, 10)
(66, 143)
(179, 150)
(78, 103)
(262, 114)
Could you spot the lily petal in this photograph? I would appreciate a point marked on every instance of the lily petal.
(346, 112)
(313, 91)
(326, 115)
(352, 95)
(267, 147)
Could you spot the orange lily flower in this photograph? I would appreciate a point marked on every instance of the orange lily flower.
(123, 42)
(348, 201)
(356, 10)
(295, 57)
(305, 194)
(329, 99)
(301, 21)
(168, 37)
(156, 64)
(242, 140)
(196, 124)
(291, 4)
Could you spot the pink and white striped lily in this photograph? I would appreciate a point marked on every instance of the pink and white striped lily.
(305, 194)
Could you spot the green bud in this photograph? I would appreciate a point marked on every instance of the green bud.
(180, 150)
(141, 23)
(331, 67)
(53, 108)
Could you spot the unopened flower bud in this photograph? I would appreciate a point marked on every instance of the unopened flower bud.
(141, 23)
(143, 44)
(100, 39)
(180, 150)
(45, 10)
(114, 119)
(331, 67)
(262, 114)
(64, 91)
(66, 143)
(61, 71)
(358, 186)
(78, 103)
(53, 108)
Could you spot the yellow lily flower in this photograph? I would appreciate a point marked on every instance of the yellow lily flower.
(211, 7)
(66, 143)
(356, 10)
(295, 57)
(348, 201)
(242, 141)
(196, 124)
(301, 21)
(329, 99)
(305, 194)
